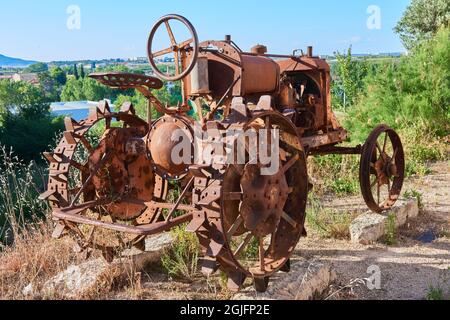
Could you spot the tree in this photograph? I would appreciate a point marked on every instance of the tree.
(413, 94)
(25, 121)
(22, 98)
(349, 78)
(421, 20)
(139, 102)
(75, 72)
(49, 86)
(58, 75)
(82, 73)
(94, 91)
(73, 90)
(29, 137)
(85, 89)
(36, 68)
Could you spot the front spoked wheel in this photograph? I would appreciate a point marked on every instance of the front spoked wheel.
(382, 169)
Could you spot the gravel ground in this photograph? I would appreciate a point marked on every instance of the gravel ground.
(409, 268)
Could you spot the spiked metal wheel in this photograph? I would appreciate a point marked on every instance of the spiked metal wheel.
(262, 216)
(103, 180)
(382, 169)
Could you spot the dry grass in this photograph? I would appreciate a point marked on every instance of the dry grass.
(328, 223)
(34, 258)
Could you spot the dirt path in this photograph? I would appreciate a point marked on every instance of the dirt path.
(410, 267)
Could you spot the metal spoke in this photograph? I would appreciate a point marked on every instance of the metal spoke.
(378, 193)
(231, 232)
(374, 183)
(99, 165)
(169, 31)
(289, 164)
(79, 166)
(394, 156)
(161, 53)
(261, 254)
(185, 43)
(385, 142)
(238, 169)
(289, 220)
(244, 244)
(177, 62)
(381, 151)
(180, 199)
(233, 196)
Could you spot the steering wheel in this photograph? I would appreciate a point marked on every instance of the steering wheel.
(176, 47)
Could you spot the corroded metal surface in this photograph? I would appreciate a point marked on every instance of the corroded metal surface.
(111, 190)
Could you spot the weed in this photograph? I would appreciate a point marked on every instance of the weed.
(328, 223)
(391, 230)
(414, 194)
(181, 260)
(435, 293)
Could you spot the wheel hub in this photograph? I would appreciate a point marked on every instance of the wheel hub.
(264, 200)
(125, 175)
(385, 169)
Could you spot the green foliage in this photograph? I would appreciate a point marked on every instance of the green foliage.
(82, 73)
(435, 294)
(36, 68)
(328, 223)
(25, 122)
(58, 75)
(337, 173)
(139, 102)
(414, 194)
(422, 20)
(49, 86)
(349, 76)
(170, 97)
(75, 72)
(413, 94)
(390, 237)
(85, 89)
(251, 252)
(29, 136)
(181, 260)
(22, 98)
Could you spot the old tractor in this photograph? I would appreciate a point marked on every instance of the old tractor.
(114, 180)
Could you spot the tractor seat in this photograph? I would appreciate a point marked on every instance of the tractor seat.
(127, 80)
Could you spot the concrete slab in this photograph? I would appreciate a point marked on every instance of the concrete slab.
(306, 281)
(370, 227)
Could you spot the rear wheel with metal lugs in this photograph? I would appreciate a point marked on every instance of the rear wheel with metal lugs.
(382, 169)
(263, 216)
(93, 174)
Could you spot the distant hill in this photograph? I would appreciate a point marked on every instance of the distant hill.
(14, 62)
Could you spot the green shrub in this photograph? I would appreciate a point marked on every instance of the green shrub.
(29, 137)
(181, 260)
(415, 93)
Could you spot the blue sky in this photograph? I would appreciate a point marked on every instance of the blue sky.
(38, 30)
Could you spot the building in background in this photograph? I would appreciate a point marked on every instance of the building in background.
(31, 78)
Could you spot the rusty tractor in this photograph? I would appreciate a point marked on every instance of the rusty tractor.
(113, 179)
